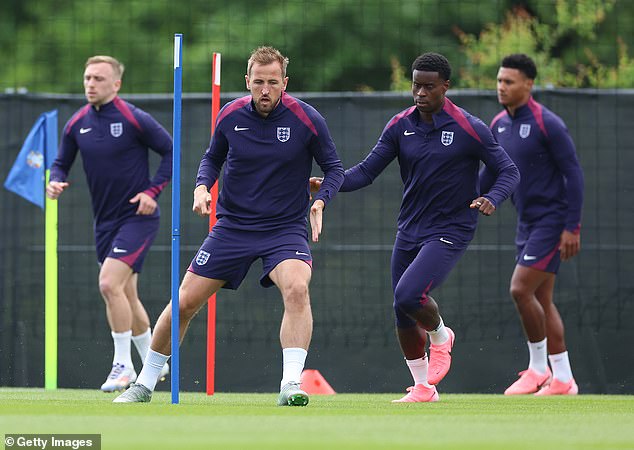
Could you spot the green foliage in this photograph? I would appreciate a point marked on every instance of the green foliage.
(621, 75)
(333, 45)
(580, 16)
(574, 43)
(401, 79)
(574, 29)
(519, 33)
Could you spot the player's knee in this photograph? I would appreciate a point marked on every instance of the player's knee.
(190, 299)
(188, 306)
(297, 289)
(109, 288)
(519, 293)
(402, 319)
(416, 306)
(296, 294)
(405, 299)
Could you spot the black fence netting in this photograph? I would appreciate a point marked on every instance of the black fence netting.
(354, 345)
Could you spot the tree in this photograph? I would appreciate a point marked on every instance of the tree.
(575, 25)
(333, 45)
(574, 43)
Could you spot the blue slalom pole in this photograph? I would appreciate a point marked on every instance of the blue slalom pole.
(176, 206)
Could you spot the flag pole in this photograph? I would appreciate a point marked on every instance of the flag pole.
(51, 300)
(211, 302)
(28, 178)
(50, 292)
(176, 194)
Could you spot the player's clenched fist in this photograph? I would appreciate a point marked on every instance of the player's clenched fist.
(202, 201)
(55, 188)
(315, 184)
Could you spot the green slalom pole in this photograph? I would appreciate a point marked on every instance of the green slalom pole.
(50, 292)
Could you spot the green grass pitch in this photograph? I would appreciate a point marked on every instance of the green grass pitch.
(346, 421)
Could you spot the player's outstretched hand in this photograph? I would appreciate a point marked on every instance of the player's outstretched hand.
(147, 205)
(483, 205)
(316, 214)
(569, 245)
(55, 188)
(202, 201)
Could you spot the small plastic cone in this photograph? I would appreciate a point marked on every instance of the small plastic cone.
(314, 383)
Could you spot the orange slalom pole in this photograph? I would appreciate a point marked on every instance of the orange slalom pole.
(211, 302)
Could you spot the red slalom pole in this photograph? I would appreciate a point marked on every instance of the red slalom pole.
(211, 302)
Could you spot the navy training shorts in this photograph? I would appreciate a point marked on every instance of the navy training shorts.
(129, 241)
(538, 247)
(228, 254)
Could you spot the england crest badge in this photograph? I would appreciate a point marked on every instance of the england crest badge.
(446, 138)
(283, 134)
(35, 159)
(116, 129)
(525, 130)
(202, 257)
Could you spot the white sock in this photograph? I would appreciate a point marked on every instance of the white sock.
(142, 343)
(122, 348)
(561, 366)
(154, 362)
(537, 353)
(293, 363)
(439, 335)
(418, 368)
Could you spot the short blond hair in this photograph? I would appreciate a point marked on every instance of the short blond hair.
(117, 66)
(266, 55)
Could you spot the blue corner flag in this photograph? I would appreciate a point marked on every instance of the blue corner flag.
(38, 152)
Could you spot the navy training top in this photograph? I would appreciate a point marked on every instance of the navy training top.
(114, 142)
(551, 189)
(267, 163)
(439, 166)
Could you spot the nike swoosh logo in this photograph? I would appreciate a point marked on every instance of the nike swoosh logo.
(501, 129)
(446, 241)
(529, 258)
(119, 250)
(408, 133)
(237, 128)
(84, 130)
(301, 254)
